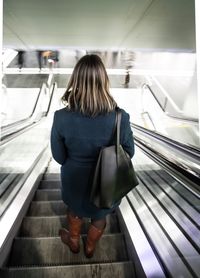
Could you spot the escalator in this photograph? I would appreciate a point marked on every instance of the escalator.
(166, 205)
(16, 143)
(41, 109)
(37, 250)
(154, 233)
(169, 214)
(161, 114)
(25, 81)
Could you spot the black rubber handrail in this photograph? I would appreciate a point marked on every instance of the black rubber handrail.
(150, 118)
(25, 119)
(179, 157)
(14, 123)
(163, 107)
(23, 129)
(13, 134)
(36, 103)
(190, 181)
(20, 180)
(51, 98)
(153, 94)
(183, 119)
(181, 146)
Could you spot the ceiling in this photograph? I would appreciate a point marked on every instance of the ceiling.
(100, 24)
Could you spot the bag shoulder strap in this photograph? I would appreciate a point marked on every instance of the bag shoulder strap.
(118, 116)
(116, 129)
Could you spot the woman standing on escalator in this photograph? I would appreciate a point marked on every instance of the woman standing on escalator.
(78, 133)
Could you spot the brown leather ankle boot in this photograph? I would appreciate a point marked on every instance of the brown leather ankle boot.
(72, 237)
(94, 234)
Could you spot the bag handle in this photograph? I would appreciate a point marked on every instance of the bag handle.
(119, 116)
(116, 129)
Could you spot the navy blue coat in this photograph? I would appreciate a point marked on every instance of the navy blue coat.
(76, 140)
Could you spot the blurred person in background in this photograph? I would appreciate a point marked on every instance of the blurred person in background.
(40, 58)
(21, 54)
(128, 61)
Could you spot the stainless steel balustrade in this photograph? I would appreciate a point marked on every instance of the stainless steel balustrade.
(41, 108)
(183, 158)
(161, 217)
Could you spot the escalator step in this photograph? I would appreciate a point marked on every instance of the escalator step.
(49, 226)
(50, 184)
(43, 251)
(105, 270)
(47, 195)
(47, 208)
(51, 176)
(53, 168)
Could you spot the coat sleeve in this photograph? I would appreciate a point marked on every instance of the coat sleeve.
(58, 148)
(128, 140)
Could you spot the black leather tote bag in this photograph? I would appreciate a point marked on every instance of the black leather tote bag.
(114, 175)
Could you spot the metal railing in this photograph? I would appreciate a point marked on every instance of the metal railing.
(163, 104)
(182, 159)
(11, 130)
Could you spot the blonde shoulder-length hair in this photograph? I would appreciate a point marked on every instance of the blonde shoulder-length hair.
(88, 88)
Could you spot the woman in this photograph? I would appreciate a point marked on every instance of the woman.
(78, 133)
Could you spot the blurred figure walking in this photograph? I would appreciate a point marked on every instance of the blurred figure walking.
(128, 61)
(39, 56)
(21, 59)
(127, 78)
(45, 55)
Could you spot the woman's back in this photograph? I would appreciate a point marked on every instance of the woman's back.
(84, 136)
(78, 133)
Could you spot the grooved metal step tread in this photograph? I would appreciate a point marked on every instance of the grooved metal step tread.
(49, 226)
(50, 184)
(42, 251)
(47, 195)
(104, 270)
(47, 208)
(51, 176)
(53, 170)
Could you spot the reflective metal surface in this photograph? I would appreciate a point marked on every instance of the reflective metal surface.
(169, 216)
(147, 257)
(184, 158)
(17, 157)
